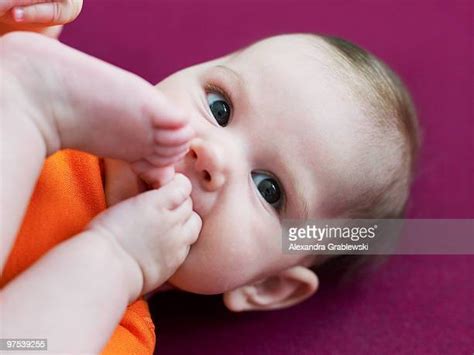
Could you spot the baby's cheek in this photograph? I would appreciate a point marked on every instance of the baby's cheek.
(220, 260)
(242, 248)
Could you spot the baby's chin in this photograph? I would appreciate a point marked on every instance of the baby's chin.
(189, 283)
(202, 273)
(194, 276)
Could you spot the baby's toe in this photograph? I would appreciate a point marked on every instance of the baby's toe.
(169, 151)
(173, 137)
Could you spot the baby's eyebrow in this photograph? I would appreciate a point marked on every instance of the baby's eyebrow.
(300, 202)
(232, 72)
(304, 210)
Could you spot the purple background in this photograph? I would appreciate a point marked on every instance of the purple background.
(413, 304)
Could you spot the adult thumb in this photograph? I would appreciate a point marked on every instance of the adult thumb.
(50, 13)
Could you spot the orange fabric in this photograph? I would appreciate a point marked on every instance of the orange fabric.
(69, 193)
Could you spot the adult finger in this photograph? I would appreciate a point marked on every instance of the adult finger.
(7, 5)
(50, 13)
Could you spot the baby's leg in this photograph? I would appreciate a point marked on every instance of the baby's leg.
(53, 97)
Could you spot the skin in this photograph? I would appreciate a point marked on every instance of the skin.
(42, 16)
(42, 112)
(240, 230)
(274, 100)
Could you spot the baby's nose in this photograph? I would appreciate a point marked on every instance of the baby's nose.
(208, 163)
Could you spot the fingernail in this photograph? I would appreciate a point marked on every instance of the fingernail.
(18, 14)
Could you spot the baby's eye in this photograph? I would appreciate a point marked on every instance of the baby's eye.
(269, 188)
(220, 108)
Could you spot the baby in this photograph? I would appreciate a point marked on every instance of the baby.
(294, 126)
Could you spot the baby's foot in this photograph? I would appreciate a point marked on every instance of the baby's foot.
(80, 102)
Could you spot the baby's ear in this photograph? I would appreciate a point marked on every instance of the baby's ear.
(285, 289)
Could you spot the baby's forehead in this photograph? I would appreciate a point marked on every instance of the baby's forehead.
(290, 75)
(291, 65)
(292, 49)
(296, 42)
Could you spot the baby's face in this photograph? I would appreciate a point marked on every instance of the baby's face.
(274, 140)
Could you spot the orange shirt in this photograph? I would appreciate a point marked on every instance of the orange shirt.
(68, 194)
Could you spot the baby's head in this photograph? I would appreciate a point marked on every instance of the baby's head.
(295, 126)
